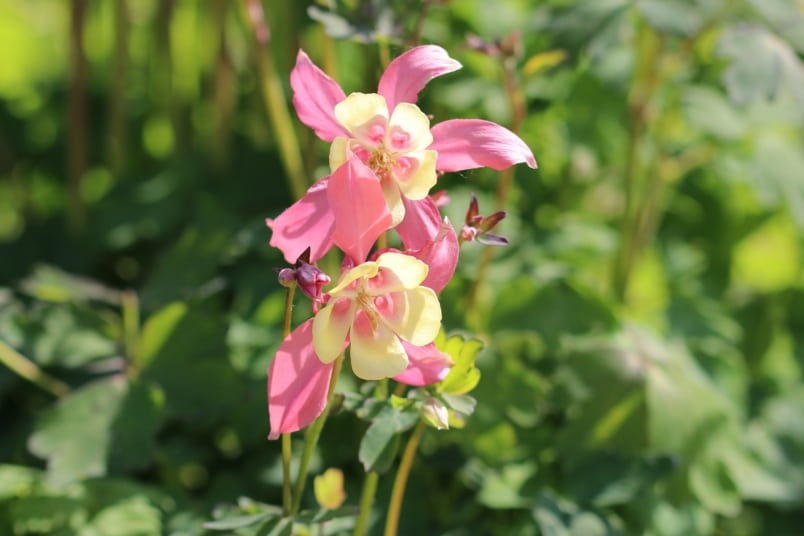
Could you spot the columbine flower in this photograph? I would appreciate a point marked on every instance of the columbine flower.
(390, 320)
(383, 136)
(394, 145)
(377, 305)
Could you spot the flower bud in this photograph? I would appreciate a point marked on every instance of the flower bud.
(436, 414)
(287, 277)
(311, 280)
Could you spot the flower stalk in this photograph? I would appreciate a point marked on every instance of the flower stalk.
(287, 495)
(401, 480)
(366, 502)
(312, 436)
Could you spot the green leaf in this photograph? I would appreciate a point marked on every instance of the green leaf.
(560, 517)
(324, 515)
(463, 404)
(50, 283)
(239, 522)
(75, 436)
(134, 516)
(463, 376)
(553, 310)
(72, 336)
(276, 527)
(78, 436)
(761, 65)
(710, 111)
(381, 440)
(46, 515)
(184, 347)
(609, 479)
(17, 480)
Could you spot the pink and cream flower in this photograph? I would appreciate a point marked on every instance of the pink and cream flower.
(386, 137)
(376, 306)
(388, 319)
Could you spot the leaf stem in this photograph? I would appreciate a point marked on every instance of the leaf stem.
(27, 369)
(311, 437)
(366, 502)
(401, 480)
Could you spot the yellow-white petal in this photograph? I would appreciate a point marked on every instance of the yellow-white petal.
(338, 153)
(367, 269)
(330, 328)
(416, 173)
(414, 315)
(376, 353)
(408, 129)
(365, 116)
(408, 271)
(393, 198)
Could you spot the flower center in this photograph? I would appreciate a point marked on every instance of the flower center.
(366, 303)
(381, 162)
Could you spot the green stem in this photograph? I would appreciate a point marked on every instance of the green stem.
(77, 120)
(416, 38)
(366, 502)
(401, 481)
(117, 101)
(27, 369)
(287, 496)
(372, 477)
(275, 102)
(130, 306)
(311, 437)
(646, 77)
(287, 493)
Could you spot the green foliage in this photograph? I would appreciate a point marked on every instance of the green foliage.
(636, 354)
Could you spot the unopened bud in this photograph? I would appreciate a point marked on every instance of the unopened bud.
(436, 414)
(287, 277)
(311, 280)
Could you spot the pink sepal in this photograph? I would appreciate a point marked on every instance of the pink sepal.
(309, 222)
(441, 255)
(297, 383)
(473, 143)
(359, 208)
(427, 365)
(421, 224)
(314, 96)
(407, 75)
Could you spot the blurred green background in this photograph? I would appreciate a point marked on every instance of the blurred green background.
(644, 337)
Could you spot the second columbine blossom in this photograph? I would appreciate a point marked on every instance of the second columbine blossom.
(388, 319)
(377, 305)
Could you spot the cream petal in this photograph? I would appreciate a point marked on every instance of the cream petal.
(416, 174)
(338, 153)
(376, 353)
(408, 129)
(397, 271)
(367, 269)
(393, 198)
(414, 315)
(365, 116)
(330, 328)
